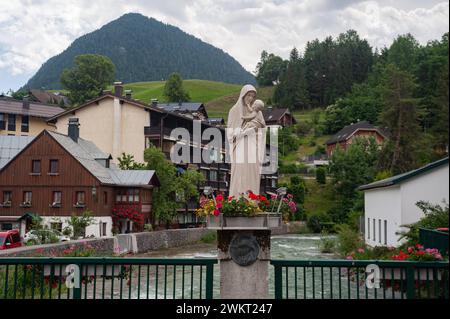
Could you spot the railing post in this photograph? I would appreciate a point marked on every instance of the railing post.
(410, 289)
(209, 281)
(76, 292)
(278, 282)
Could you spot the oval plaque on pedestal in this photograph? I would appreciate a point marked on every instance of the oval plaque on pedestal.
(244, 249)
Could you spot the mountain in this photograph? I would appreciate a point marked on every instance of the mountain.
(144, 49)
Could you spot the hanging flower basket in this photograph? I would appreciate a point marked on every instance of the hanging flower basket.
(259, 221)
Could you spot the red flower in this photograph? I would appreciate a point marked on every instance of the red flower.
(219, 197)
(219, 205)
(216, 212)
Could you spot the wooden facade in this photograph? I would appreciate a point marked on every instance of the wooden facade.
(79, 190)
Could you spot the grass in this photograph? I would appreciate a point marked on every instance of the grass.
(220, 106)
(319, 198)
(199, 90)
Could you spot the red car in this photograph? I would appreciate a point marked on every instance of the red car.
(10, 239)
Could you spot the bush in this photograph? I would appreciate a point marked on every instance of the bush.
(349, 240)
(303, 128)
(321, 176)
(327, 245)
(148, 227)
(436, 216)
(79, 223)
(209, 238)
(316, 222)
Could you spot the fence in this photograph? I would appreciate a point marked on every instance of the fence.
(346, 279)
(430, 238)
(107, 278)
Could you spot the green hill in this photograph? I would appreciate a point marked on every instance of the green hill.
(144, 49)
(199, 90)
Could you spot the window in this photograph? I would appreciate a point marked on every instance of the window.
(53, 169)
(7, 197)
(12, 122)
(368, 228)
(385, 232)
(379, 231)
(136, 195)
(213, 175)
(7, 226)
(374, 234)
(2, 121)
(25, 123)
(102, 229)
(80, 197)
(56, 199)
(27, 196)
(56, 226)
(36, 166)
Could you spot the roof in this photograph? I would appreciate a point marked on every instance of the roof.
(275, 114)
(181, 107)
(10, 146)
(13, 106)
(87, 154)
(397, 179)
(48, 97)
(349, 130)
(216, 120)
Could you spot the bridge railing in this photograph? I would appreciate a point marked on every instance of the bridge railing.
(346, 279)
(106, 278)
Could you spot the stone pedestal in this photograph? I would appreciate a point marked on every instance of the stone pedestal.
(244, 256)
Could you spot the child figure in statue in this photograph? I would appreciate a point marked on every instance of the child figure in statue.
(252, 120)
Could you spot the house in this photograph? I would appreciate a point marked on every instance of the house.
(194, 110)
(347, 135)
(278, 117)
(23, 117)
(391, 202)
(55, 175)
(46, 97)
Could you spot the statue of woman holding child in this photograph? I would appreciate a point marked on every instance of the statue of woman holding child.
(246, 133)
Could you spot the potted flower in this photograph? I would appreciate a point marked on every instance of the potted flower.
(245, 212)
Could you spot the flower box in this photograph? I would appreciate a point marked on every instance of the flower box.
(395, 274)
(91, 270)
(259, 221)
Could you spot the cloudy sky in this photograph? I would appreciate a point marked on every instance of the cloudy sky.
(31, 31)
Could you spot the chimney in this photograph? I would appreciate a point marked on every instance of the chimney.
(118, 89)
(26, 102)
(74, 130)
(154, 102)
(128, 94)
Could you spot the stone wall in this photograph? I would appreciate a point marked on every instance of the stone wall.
(133, 243)
(101, 245)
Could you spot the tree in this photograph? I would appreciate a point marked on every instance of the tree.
(79, 223)
(351, 168)
(399, 115)
(270, 69)
(173, 89)
(126, 161)
(321, 175)
(90, 74)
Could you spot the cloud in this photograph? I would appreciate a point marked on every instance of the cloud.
(34, 31)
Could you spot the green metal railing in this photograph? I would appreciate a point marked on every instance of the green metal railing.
(430, 238)
(346, 279)
(107, 278)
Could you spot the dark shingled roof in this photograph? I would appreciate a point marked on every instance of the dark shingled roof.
(12, 106)
(275, 114)
(181, 107)
(405, 176)
(348, 131)
(48, 97)
(216, 120)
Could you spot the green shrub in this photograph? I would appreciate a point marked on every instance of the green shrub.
(148, 227)
(327, 245)
(349, 240)
(321, 176)
(316, 222)
(209, 238)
